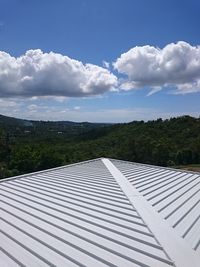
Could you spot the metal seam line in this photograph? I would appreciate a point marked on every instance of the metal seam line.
(175, 247)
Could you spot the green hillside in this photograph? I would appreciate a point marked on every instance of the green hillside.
(42, 145)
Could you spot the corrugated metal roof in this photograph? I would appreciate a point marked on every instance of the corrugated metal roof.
(82, 215)
(174, 194)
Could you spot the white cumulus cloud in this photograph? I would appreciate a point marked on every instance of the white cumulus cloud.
(176, 65)
(36, 74)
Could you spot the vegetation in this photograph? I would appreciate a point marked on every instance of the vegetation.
(27, 146)
(190, 167)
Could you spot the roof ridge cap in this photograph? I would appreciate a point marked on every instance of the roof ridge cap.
(174, 246)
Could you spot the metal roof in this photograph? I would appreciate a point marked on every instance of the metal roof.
(100, 213)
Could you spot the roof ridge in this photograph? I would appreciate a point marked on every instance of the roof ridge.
(174, 246)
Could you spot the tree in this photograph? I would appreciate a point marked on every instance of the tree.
(48, 158)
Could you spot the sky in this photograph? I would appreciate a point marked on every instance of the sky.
(99, 61)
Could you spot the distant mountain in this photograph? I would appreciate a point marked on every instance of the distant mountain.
(18, 126)
(10, 121)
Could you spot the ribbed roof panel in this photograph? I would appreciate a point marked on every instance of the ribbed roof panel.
(175, 195)
(76, 215)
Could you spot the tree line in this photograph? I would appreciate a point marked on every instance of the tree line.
(170, 142)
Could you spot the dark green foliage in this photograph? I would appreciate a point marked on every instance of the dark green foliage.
(49, 158)
(50, 144)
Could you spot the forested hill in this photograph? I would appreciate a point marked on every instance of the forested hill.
(162, 142)
(19, 127)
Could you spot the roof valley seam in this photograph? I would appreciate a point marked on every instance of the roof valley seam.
(175, 247)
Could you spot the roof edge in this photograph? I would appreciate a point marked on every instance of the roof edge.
(47, 170)
(155, 166)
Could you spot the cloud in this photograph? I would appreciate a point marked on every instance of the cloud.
(101, 115)
(177, 65)
(10, 107)
(37, 74)
(77, 108)
(8, 103)
(106, 64)
(32, 107)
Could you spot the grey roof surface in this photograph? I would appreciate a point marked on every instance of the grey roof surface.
(100, 213)
(174, 194)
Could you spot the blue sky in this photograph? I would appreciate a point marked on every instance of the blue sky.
(158, 75)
